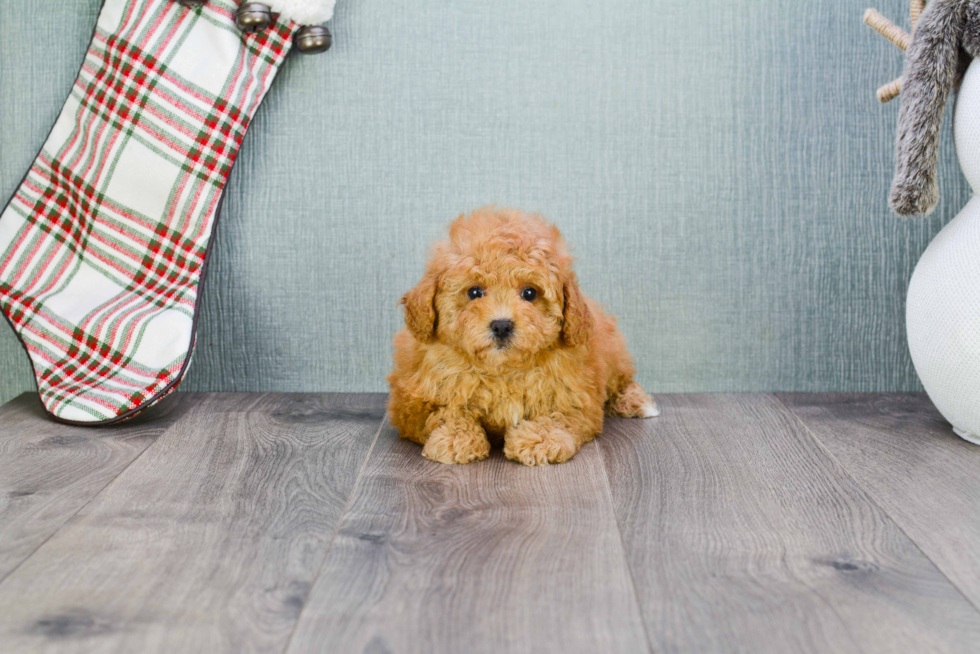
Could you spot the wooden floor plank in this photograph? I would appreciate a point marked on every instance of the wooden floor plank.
(209, 542)
(48, 471)
(744, 535)
(905, 455)
(486, 557)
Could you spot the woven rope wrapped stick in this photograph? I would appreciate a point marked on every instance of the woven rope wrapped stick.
(918, 6)
(896, 35)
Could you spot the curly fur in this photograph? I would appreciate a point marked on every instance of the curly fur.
(455, 388)
(946, 37)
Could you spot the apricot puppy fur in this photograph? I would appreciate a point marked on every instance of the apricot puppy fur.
(500, 343)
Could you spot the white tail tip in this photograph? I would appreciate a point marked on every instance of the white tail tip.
(651, 411)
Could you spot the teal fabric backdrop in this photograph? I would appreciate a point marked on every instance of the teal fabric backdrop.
(720, 166)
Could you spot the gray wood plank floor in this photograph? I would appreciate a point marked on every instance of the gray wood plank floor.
(48, 471)
(743, 534)
(301, 523)
(489, 557)
(928, 479)
(209, 542)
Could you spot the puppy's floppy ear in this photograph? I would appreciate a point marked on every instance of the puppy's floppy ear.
(420, 308)
(576, 328)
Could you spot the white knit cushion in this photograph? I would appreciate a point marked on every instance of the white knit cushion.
(943, 309)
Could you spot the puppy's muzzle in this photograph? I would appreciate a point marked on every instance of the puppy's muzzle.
(502, 330)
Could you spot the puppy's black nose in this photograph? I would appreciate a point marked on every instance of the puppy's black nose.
(502, 329)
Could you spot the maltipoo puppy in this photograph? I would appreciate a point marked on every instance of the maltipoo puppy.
(500, 343)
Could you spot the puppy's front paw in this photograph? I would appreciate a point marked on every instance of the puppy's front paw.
(535, 444)
(456, 442)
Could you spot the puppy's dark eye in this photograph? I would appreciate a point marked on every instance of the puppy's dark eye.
(475, 293)
(529, 294)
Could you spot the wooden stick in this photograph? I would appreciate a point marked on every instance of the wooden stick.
(887, 29)
(918, 6)
(889, 91)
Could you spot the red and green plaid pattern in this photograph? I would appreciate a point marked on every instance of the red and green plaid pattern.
(103, 246)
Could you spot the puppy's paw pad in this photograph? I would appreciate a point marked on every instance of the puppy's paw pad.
(456, 445)
(534, 449)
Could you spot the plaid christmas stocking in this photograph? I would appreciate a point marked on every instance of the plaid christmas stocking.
(104, 246)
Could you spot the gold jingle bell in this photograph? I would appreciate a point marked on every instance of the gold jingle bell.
(253, 17)
(312, 39)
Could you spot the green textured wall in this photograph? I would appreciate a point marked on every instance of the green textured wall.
(720, 166)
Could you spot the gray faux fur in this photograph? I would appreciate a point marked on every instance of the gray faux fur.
(945, 39)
